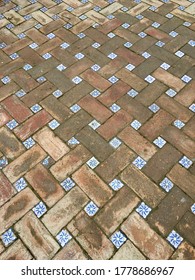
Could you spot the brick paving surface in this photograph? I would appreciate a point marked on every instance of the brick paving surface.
(97, 129)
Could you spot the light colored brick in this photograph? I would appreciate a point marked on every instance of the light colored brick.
(128, 252)
(72, 251)
(16, 251)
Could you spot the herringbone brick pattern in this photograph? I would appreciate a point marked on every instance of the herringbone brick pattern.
(97, 129)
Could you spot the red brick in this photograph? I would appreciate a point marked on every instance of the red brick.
(112, 67)
(36, 237)
(70, 162)
(24, 80)
(17, 251)
(33, 124)
(158, 34)
(110, 26)
(45, 185)
(130, 56)
(95, 80)
(95, 108)
(92, 185)
(63, 211)
(36, 36)
(16, 108)
(187, 95)
(131, 79)
(52, 144)
(137, 143)
(146, 239)
(6, 189)
(16, 208)
(114, 125)
(91, 238)
(9, 89)
(116, 210)
(24, 163)
(4, 117)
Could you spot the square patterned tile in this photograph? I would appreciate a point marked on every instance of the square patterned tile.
(8, 237)
(68, 184)
(20, 184)
(118, 239)
(95, 67)
(165, 66)
(79, 56)
(193, 208)
(146, 55)
(144, 210)
(113, 79)
(54, 124)
(186, 79)
(154, 108)
(28, 143)
(77, 80)
(171, 93)
(179, 124)
(116, 184)
(27, 67)
(136, 124)
(159, 142)
(73, 141)
(12, 124)
(3, 162)
(130, 67)
(150, 79)
(5, 80)
(20, 93)
(174, 239)
(166, 184)
(115, 143)
(63, 237)
(36, 108)
(133, 93)
(185, 162)
(115, 108)
(94, 124)
(139, 162)
(93, 163)
(75, 108)
(40, 209)
(95, 93)
(112, 55)
(179, 54)
(57, 93)
(64, 45)
(192, 107)
(61, 67)
(91, 209)
(128, 44)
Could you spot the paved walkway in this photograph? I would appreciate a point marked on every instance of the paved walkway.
(97, 129)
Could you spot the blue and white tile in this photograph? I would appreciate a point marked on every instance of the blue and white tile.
(28, 143)
(130, 67)
(115, 143)
(171, 92)
(61, 67)
(95, 93)
(173, 34)
(150, 79)
(118, 239)
(159, 142)
(154, 108)
(51, 36)
(67, 184)
(133, 93)
(179, 54)
(20, 184)
(128, 45)
(144, 210)
(111, 35)
(95, 67)
(136, 124)
(175, 239)
(8, 237)
(5, 80)
(166, 184)
(142, 35)
(64, 45)
(91, 209)
(155, 24)
(112, 55)
(113, 79)
(36, 108)
(33, 46)
(41, 79)
(79, 55)
(186, 79)
(96, 45)
(192, 107)
(3, 162)
(93, 163)
(63, 237)
(75, 108)
(193, 208)
(115, 108)
(40, 209)
(146, 55)
(139, 162)
(81, 35)
(185, 162)
(77, 80)
(160, 44)
(12, 124)
(53, 124)
(14, 56)
(165, 66)
(73, 141)
(57, 93)
(116, 184)
(94, 124)
(27, 67)
(179, 124)
(20, 93)
(125, 25)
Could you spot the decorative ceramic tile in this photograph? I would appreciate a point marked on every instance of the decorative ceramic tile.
(169, 16)
(193, 208)
(116, 184)
(94, 124)
(165, 66)
(28, 143)
(81, 35)
(115, 108)
(118, 239)
(128, 45)
(191, 43)
(5, 80)
(54, 124)
(73, 141)
(77, 80)
(113, 79)
(21, 35)
(186, 23)
(10, 26)
(95, 93)
(154, 108)
(142, 35)
(182, 8)
(186, 79)
(14, 56)
(170, 92)
(146, 55)
(133, 93)
(2, 45)
(20, 93)
(185, 162)
(41, 79)
(192, 107)
(160, 44)
(36, 108)
(140, 17)
(124, 9)
(130, 67)
(12, 124)
(20, 184)
(125, 25)
(174, 239)
(64, 45)
(159, 142)
(39, 209)
(79, 56)
(44, 9)
(8, 237)
(179, 124)
(48, 161)
(173, 34)
(3, 162)
(57, 93)
(115, 143)
(91, 209)
(155, 24)
(68, 25)
(38, 26)
(61, 67)
(111, 35)
(144, 210)
(27, 67)
(136, 124)
(112, 55)
(83, 17)
(33, 46)
(95, 67)
(68, 184)
(93, 163)
(46, 55)
(150, 79)
(139, 162)
(75, 108)
(179, 54)
(96, 45)
(70, 9)
(166, 184)
(27, 17)
(63, 237)
(152, 8)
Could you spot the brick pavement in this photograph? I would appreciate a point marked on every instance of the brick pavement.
(97, 143)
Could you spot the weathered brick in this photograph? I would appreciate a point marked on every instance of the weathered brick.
(70, 163)
(45, 185)
(161, 163)
(91, 238)
(131, 79)
(183, 179)
(130, 56)
(33, 124)
(63, 211)
(187, 95)
(16, 208)
(52, 144)
(115, 163)
(72, 251)
(25, 81)
(95, 80)
(92, 185)
(9, 144)
(186, 227)
(189, 128)
(116, 210)
(184, 252)
(9, 89)
(24, 163)
(170, 211)
(128, 252)
(36, 237)
(4, 117)
(137, 143)
(6, 189)
(146, 239)
(17, 251)
(142, 186)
